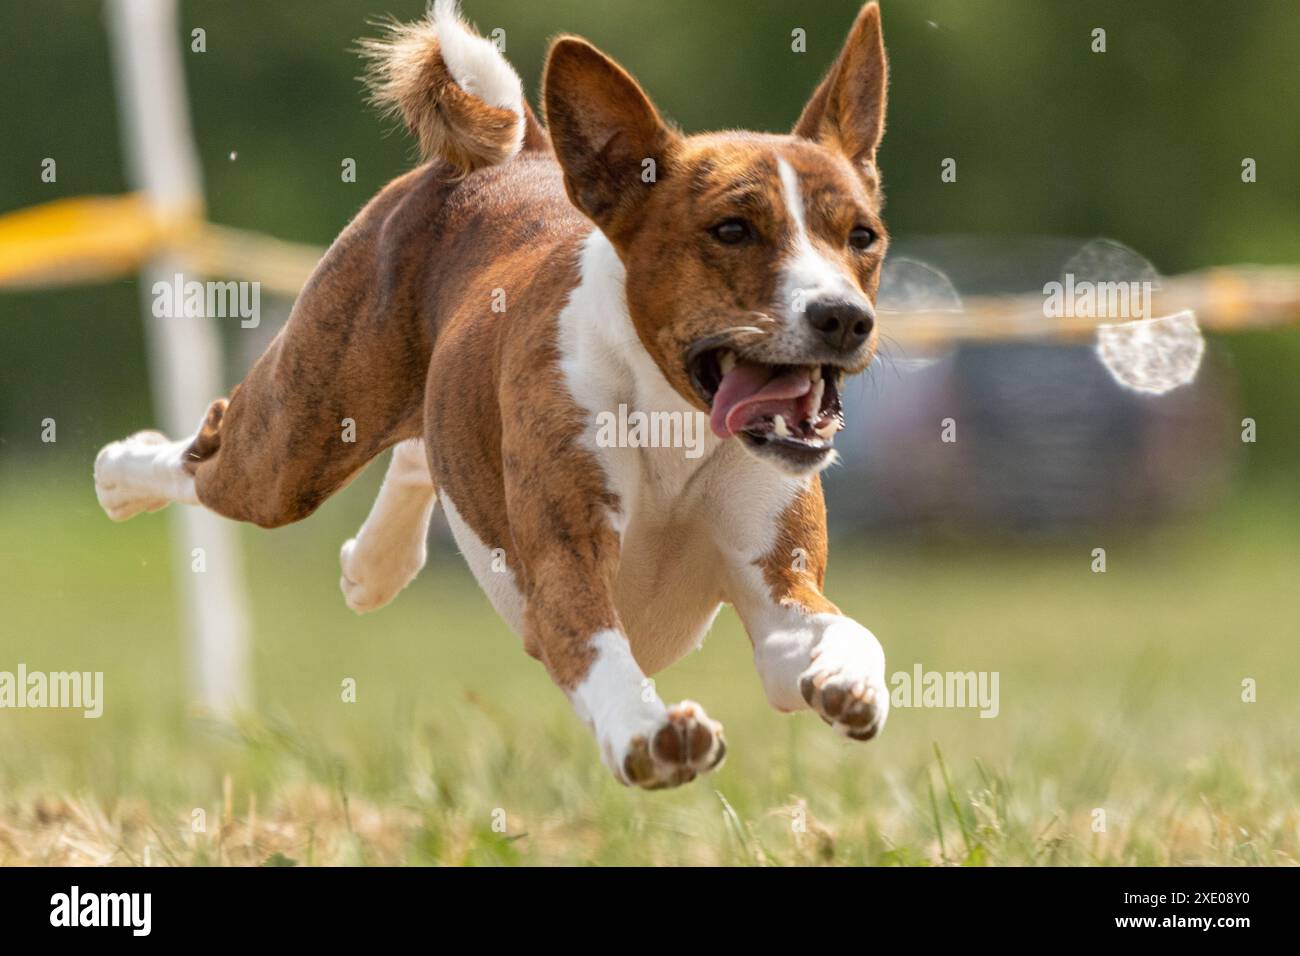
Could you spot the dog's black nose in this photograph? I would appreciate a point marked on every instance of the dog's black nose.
(842, 325)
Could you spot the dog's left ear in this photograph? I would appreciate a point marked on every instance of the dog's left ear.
(847, 112)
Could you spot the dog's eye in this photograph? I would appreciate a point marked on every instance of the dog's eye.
(862, 238)
(732, 232)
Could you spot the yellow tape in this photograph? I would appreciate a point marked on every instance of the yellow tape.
(86, 238)
(104, 237)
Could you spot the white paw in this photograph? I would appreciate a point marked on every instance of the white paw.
(372, 575)
(125, 476)
(845, 683)
(669, 750)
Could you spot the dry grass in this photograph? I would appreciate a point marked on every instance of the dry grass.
(1119, 693)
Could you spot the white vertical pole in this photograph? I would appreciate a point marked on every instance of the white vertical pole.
(184, 353)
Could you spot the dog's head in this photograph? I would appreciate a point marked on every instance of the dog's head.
(752, 259)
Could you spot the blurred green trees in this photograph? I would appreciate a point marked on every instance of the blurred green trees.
(1142, 143)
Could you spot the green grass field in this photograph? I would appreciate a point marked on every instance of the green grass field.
(1120, 692)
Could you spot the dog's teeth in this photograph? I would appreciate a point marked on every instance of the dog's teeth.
(829, 429)
(817, 373)
(727, 361)
(819, 389)
(779, 426)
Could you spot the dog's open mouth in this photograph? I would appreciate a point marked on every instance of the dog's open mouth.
(793, 410)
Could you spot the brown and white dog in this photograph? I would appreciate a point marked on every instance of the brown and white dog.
(728, 275)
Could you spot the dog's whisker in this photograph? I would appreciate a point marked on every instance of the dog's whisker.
(740, 330)
(889, 344)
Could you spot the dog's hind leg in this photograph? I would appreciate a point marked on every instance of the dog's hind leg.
(389, 550)
(147, 472)
(142, 473)
(291, 434)
(344, 380)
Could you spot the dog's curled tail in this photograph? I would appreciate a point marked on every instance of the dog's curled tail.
(453, 88)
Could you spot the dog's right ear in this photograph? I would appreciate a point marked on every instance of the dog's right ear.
(604, 130)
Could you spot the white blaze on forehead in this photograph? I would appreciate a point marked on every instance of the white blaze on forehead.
(807, 274)
(792, 196)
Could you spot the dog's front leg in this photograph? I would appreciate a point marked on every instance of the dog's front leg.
(644, 742)
(561, 520)
(808, 654)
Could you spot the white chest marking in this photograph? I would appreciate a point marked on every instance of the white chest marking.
(677, 513)
(605, 365)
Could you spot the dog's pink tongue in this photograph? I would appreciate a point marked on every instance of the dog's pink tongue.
(749, 393)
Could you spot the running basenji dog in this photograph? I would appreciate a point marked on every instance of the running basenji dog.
(484, 311)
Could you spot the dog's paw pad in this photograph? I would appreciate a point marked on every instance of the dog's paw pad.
(369, 580)
(854, 706)
(687, 744)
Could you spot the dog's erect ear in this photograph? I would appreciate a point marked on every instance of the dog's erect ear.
(603, 129)
(847, 112)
